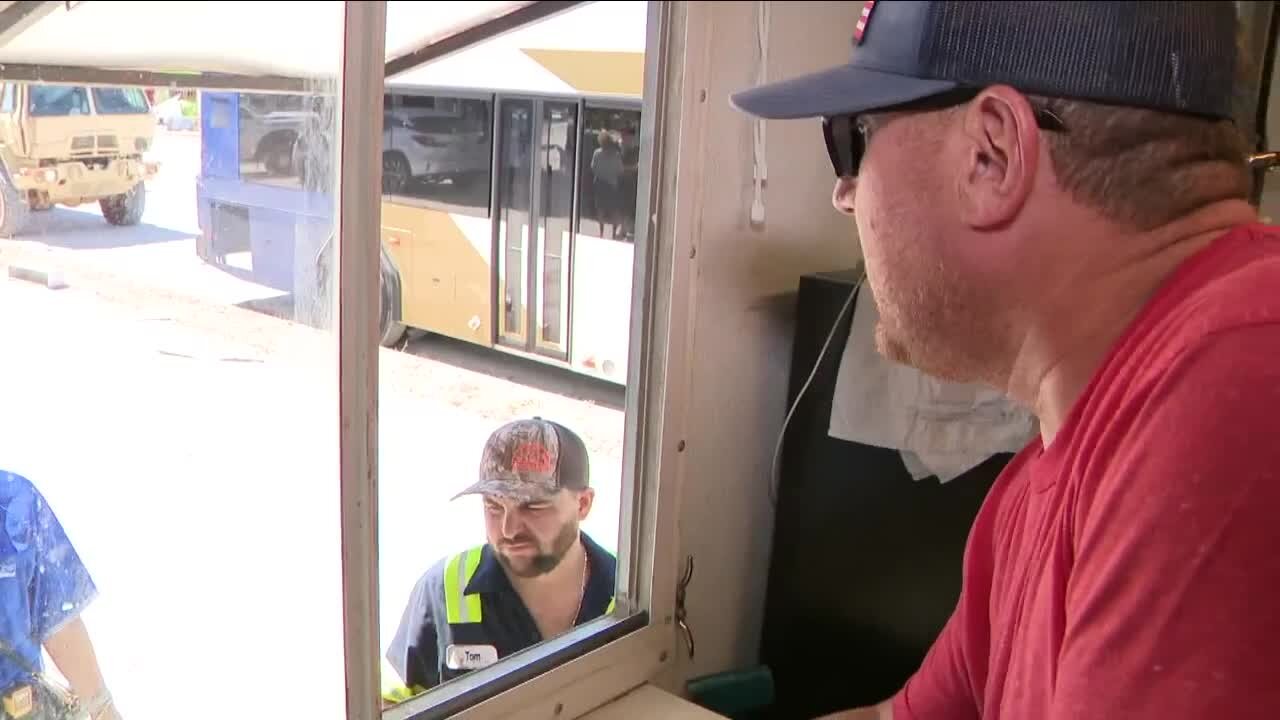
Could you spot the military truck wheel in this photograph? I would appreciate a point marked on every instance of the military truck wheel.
(13, 209)
(125, 208)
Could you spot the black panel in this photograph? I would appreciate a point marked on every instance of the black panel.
(229, 227)
(866, 562)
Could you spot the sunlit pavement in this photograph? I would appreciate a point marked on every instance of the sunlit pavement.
(190, 449)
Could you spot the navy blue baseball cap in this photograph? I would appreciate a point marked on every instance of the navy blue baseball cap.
(1173, 56)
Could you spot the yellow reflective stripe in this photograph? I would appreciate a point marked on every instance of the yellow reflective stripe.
(471, 604)
(459, 608)
(400, 693)
(452, 590)
(613, 603)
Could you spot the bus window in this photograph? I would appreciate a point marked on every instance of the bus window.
(270, 127)
(557, 147)
(439, 149)
(6, 100)
(610, 161)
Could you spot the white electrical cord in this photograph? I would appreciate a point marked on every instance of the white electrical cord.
(774, 479)
(760, 166)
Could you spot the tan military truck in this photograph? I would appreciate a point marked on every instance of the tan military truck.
(70, 145)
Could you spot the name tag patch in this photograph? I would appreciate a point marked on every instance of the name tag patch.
(470, 657)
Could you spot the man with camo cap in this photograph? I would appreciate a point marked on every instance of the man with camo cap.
(538, 576)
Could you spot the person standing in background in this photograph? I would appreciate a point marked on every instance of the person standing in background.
(44, 588)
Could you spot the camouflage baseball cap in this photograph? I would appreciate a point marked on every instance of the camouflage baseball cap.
(527, 460)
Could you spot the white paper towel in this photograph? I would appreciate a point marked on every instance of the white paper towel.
(941, 428)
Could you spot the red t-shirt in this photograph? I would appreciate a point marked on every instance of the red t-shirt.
(1132, 569)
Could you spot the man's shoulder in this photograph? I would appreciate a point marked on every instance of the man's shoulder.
(1204, 348)
(19, 498)
(430, 583)
(1228, 288)
(601, 558)
(435, 574)
(1230, 285)
(16, 486)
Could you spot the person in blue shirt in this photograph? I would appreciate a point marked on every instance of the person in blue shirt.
(44, 588)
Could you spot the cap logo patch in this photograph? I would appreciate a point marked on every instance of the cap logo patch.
(532, 457)
(860, 30)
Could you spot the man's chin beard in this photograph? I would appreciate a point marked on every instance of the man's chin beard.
(538, 565)
(543, 563)
(940, 366)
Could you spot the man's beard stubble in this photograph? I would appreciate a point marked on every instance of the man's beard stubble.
(940, 330)
(545, 560)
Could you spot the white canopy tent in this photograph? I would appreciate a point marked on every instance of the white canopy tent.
(231, 44)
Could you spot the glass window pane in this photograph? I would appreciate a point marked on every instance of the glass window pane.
(438, 149)
(507, 316)
(515, 192)
(270, 129)
(58, 100)
(120, 101)
(557, 150)
(170, 475)
(610, 164)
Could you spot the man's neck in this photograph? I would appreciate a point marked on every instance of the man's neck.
(554, 600)
(1073, 328)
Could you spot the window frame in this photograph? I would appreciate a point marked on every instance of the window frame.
(607, 657)
(358, 216)
(1261, 24)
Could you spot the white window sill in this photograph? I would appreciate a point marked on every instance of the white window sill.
(648, 701)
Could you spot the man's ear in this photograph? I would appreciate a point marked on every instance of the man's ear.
(1002, 153)
(586, 499)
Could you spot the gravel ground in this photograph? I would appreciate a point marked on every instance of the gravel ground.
(263, 337)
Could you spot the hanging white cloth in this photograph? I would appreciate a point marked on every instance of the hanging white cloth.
(942, 429)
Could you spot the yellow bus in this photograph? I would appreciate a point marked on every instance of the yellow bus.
(509, 189)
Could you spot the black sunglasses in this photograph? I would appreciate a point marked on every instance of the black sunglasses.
(846, 139)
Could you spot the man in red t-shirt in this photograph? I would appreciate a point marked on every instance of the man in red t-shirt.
(1051, 198)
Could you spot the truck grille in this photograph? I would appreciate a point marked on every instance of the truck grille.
(89, 144)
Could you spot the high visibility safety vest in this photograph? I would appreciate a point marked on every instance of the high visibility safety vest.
(463, 613)
(460, 609)
(465, 609)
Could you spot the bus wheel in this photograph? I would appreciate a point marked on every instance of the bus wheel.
(125, 208)
(390, 331)
(13, 210)
(395, 172)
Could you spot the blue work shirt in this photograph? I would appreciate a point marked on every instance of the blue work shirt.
(418, 650)
(43, 584)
